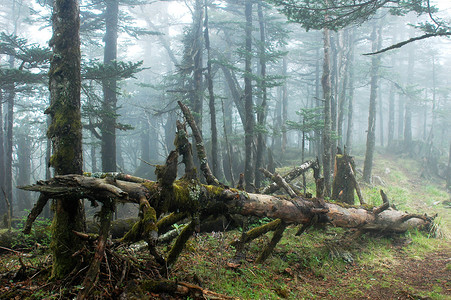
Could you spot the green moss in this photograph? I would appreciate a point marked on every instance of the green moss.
(64, 242)
(180, 243)
(144, 228)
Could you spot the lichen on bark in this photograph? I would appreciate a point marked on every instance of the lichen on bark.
(65, 131)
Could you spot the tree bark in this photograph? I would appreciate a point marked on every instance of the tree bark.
(248, 102)
(24, 170)
(214, 130)
(108, 127)
(325, 81)
(448, 177)
(198, 99)
(224, 200)
(371, 136)
(65, 131)
(261, 112)
(2, 159)
(349, 131)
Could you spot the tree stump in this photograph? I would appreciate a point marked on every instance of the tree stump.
(343, 187)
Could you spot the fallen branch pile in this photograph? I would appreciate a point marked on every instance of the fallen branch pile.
(167, 201)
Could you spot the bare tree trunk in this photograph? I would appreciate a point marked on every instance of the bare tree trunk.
(198, 99)
(108, 127)
(448, 175)
(284, 108)
(391, 116)
(381, 119)
(248, 102)
(344, 73)
(214, 130)
(261, 114)
(325, 81)
(408, 107)
(298, 210)
(349, 131)
(2, 159)
(24, 170)
(371, 136)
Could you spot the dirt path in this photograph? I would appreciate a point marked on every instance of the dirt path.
(402, 278)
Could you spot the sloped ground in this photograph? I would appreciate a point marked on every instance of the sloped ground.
(323, 263)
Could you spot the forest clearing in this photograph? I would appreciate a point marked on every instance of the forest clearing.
(225, 149)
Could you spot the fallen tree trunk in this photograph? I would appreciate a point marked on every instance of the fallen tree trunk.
(193, 197)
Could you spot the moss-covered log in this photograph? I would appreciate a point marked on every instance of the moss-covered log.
(193, 197)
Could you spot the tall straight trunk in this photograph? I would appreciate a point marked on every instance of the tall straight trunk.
(371, 136)
(343, 72)
(65, 131)
(108, 128)
(248, 102)
(214, 130)
(448, 175)
(401, 103)
(318, 103)
(198, 98)
(326, 84)
(381, 120)
(391, 116)
(9, 124)
(349, 130)
(2, 159)
(93, 154)
(276, 145)
(284, 107)
(409, 104)
(24, 170)
(434, 100)
(391, 102)
(48, 153)
(261, 114)
(335, 49)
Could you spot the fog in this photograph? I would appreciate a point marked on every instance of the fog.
(162, 47)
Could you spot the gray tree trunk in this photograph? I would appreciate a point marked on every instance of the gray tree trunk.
(108, 127)
(248, 102)
(211, 103)
(2, 160)
(261, 114)
(326, 84)
(371, 136)
(349, 130)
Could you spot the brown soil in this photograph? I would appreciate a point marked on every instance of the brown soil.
(407, 278)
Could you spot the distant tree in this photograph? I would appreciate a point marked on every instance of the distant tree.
(27, 67)
(248, 100)
(376, 42)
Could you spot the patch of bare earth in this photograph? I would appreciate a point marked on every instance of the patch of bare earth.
(407, 278)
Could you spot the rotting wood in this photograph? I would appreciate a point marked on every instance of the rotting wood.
(385, 205)
(297, 212)
(201, 153)
(280, 182)
(278, 232)
(106, 215)
(290, 176)
(35, 212)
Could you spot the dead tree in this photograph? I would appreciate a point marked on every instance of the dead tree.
(344, 182)
(187, 198)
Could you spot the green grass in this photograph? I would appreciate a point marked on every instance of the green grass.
(303, 268)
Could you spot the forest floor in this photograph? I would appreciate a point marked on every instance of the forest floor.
(322, 263)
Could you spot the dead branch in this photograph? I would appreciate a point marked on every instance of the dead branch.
(201, 153)
(290, 176)
(280, 182)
